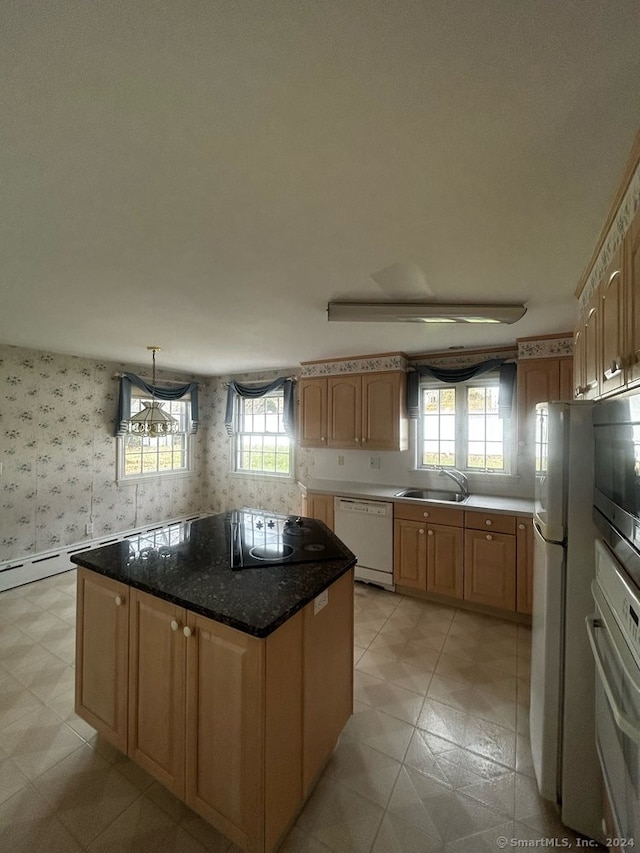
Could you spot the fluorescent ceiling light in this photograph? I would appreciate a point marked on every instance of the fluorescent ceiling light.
(424, 312)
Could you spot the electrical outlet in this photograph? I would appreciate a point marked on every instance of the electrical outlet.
(88, 528)
(375, 462)
(340, 459)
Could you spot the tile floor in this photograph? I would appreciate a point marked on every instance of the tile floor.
(435, 757)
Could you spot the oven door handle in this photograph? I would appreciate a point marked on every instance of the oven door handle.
(622, 720)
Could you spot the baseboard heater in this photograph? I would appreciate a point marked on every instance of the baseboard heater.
(47, 563)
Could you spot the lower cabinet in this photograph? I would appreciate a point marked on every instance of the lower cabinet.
(316, 505)
(482, 558)
(428, 553)
(237, 727)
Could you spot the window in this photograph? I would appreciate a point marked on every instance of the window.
(261, 444)
(142, 456)
(460, 427)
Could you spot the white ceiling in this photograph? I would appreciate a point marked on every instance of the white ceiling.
(207, 174)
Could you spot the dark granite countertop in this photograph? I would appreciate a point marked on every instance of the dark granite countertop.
(189, 564)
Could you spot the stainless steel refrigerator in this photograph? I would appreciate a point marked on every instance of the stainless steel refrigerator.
(562, 723)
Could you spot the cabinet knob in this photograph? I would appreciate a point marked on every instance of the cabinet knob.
(174, 625)
(357, 440)
(119, 600)
(364, 440)
(521, 527)
(322, 438)
(489, 537)
(187, 631)
(430, 533)
(426, 514)
(421, 530)
(488, 522)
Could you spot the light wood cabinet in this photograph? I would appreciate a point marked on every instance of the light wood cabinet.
(612, 330)
(319, 506)
(428, 555)
(632, 275)
(312, 397)
(102, 646)
(354, 411)
(157, 670)
(490, 569)
(237, 727)
(540, 380)
(524, 567)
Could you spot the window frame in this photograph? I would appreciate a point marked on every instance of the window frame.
(509, 438)
(142, 477)
(239, 403)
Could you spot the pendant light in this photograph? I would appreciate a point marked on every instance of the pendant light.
(152, 420)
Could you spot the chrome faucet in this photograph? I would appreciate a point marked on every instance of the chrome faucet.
(458, 477)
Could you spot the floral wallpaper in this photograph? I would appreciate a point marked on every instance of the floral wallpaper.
(365, 364)
(58, 455)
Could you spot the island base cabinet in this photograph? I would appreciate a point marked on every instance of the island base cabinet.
(102, 642)
(157, 667)
(237, 727)
(225, 730)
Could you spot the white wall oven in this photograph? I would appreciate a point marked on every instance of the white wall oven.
(615, 640)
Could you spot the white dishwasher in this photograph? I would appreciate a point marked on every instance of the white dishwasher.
(366, 527)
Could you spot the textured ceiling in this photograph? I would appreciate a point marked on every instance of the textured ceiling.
(207, 174)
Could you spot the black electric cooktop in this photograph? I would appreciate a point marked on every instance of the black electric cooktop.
(260, 538)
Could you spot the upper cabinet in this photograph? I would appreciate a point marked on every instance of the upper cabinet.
(539, 380)
(607, 334)
(354, 411)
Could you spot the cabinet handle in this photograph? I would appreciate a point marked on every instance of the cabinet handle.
(364, 440)
(118, 600)
(488, 522)
(430, 533)
(187, 631)
(357, 440)
(614, 368)
(174, 625)
(426, 514)
(521, 527)
(489, 537)
(322, 438)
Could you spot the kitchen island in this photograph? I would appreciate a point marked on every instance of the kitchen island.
(218, 655)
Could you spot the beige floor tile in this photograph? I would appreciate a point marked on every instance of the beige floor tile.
(206, 834)
(348, 822)
(491, 741)
(301, 842)
(28, 825)
(387, 697)
(47, 626)
(416, 679)
(442, 720)
(47, 677)
(86, 793)
(491, 840)
(16, 700)
(38, 741)
(380, 731)
(12, 779)
(397, 836)
(497, 794)
(415, 653)
(145, 828)
(364, 770)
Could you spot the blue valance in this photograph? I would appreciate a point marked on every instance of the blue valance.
(176, 392)
(453, 375)
(254, 391)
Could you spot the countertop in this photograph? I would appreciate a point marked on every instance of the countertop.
(189, 565)
(374, 491)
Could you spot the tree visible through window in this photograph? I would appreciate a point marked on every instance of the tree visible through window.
(261, 444)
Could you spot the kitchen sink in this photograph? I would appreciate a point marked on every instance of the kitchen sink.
(432, 495)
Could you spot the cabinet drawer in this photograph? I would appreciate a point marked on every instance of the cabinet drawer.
(430, 514)
(490, 521)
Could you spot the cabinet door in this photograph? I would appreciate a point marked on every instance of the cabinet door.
(566, 378)
(538, 381)
(327, 676)
(445, 549)
(102, 639)
(524, 577)
(612, 331)
(320, 506)
(344, 411)
(632, 272)
(579, 381)
(312, 397)
(410, 554)
(490, 569)
(383, 399)
(225, 730)
(591, 345)
(157, 664)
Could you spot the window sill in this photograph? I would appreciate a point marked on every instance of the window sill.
(260, 475)
(154, 478)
